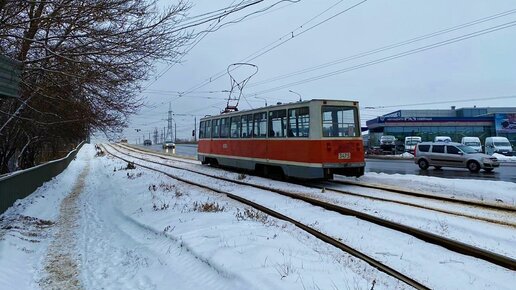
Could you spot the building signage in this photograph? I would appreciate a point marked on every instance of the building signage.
(422, 120)
(393, 114)
(408, 119)
(505, 123)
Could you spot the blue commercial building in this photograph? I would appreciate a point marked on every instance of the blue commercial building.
(455, 123)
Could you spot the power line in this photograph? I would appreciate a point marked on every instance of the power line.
(273, 45)
(187, 50)
(384, 48)
(216, 19)
(392, 57)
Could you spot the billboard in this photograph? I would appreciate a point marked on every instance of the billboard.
(505, 123)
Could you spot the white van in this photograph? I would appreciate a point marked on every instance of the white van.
(500, 145)
(442, 139)
(473, 142)
(411, 142)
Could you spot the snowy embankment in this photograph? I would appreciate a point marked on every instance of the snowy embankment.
(101, 226)
(481, 190)
(353, 231)
(489, 236)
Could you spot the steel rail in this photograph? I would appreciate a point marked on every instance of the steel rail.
(502, 207)
(456, 213)
(499, 207)
(447, 243)
(412, 204)
(319, 235)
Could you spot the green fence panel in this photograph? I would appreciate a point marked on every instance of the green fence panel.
(21, 184)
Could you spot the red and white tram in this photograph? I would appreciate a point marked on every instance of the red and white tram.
(310, 140)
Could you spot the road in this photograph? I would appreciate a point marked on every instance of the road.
(506, 172)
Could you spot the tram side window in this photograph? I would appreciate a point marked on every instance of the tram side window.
(299, 122)
(236, 126)
(247, 126)
(277, 123)
(215, 128)
(201, 130)
(260, 125)
(207, 129)
(224, 128)
(339, 122)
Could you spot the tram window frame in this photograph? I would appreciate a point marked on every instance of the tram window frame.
(234, 132)
(277, 117)
(207, 128)
(258, 130)
(298, 131)
(215, 128)
(224, 127)
(336, 128)
(201, 129)
(248, 126)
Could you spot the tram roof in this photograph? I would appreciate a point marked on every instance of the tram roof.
(286, 105)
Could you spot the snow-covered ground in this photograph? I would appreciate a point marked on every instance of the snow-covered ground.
(405, 155)
(481, 190)
(503, 158)
(101, 226)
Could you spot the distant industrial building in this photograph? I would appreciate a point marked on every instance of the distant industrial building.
(455, 123)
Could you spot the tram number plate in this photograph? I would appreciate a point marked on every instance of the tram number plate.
(345, 155)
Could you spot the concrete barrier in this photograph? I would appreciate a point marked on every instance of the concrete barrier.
(21, 183)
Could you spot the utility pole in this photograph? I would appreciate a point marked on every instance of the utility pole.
(156, 135)
(169, 124)
(195, 130)
(175, 135)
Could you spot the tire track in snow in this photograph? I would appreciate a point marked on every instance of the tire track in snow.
(61, 264)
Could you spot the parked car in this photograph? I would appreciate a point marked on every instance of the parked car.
(439, 154)
(442, 139)
(387, 143)
(411, 142)
(473, 142)
(169, 144)
(500, 145)
(147, 142)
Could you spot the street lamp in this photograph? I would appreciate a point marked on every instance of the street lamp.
(262, 99)
(296, 94)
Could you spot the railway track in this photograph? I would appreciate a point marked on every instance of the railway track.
(476, 203)
(466, 207)
(450, 244)
(316, 233)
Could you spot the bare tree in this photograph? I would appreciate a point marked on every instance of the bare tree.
(82, 65)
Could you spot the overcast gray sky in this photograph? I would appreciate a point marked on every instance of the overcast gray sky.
(481, 67)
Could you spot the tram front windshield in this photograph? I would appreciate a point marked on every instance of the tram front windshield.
(339, 121)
